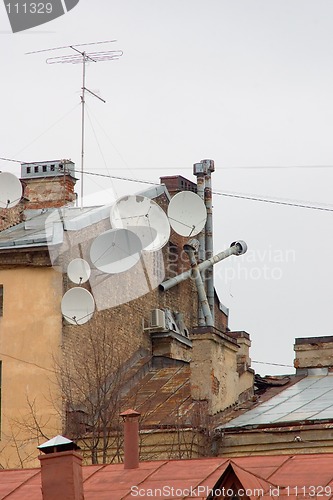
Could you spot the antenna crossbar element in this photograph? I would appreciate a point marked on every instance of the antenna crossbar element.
(107, 55)
(69, 46)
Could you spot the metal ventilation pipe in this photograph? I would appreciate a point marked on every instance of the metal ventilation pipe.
(190, 248)
(200, 170)
(209, 233)
(236, 248)
(131, 438)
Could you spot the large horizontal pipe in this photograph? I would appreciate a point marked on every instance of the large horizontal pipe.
(236, 248)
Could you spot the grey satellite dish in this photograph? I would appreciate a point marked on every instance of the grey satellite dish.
(187, 213)
(144, 217)
(10, 190)
(115, 251)
(77, 306)
(78, 271)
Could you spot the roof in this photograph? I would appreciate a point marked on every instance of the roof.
(163, 395)
(310, 399)
(299, 476)
(43, 227)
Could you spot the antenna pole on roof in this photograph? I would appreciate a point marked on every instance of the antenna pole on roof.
(83, 57)
(83, 102)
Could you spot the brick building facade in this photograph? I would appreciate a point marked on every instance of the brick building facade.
(214, 362)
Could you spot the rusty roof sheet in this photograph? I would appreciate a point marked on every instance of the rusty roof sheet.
(163, 395)
(295, 477)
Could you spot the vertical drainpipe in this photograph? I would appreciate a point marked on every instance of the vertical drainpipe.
(209, 232)
(190, 248)
(199, 170)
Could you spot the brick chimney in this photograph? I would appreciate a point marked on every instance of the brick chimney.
(177, 183)
(48, 184)
(131, 438)
(312, 353)
(61, 469)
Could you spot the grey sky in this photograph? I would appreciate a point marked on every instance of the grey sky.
(246, 83)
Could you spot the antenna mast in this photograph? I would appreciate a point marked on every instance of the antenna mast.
(83, 57)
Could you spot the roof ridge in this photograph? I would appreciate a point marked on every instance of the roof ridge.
(146, 477)
(289, 457)
(21, 484)
(252, 473)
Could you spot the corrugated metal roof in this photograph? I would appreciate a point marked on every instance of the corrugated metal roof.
(309, 399)
(40, 227)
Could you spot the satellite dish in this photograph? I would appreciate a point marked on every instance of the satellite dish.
(115, 251)
(78, 271)
(148, 236)
(10, 190)
(77, 306)
(187, 213)
(144, 217)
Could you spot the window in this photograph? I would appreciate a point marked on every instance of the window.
(1, 300)
(28, 170)
(36, 169)
(44, 168)
(52, 168)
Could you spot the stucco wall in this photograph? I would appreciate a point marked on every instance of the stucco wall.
(30, 334)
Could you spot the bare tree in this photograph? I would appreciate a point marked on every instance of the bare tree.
(90, 377)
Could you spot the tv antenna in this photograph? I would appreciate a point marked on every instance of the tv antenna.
(82, 57)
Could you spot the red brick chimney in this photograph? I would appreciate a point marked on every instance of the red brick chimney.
(131, 439)
(61, 469)
(177, 183)
(48, 184)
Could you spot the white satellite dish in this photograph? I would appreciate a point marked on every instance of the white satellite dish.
(148, 236)
(187, 213)
(115, 251)
(144, 217)
(77, 306)
(10, 190)
(78, 271)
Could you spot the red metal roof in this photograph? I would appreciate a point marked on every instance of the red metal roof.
(294, 476)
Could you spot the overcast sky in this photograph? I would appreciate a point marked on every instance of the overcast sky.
(247, 83)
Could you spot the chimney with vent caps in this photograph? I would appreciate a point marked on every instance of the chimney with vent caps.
(61, 470)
